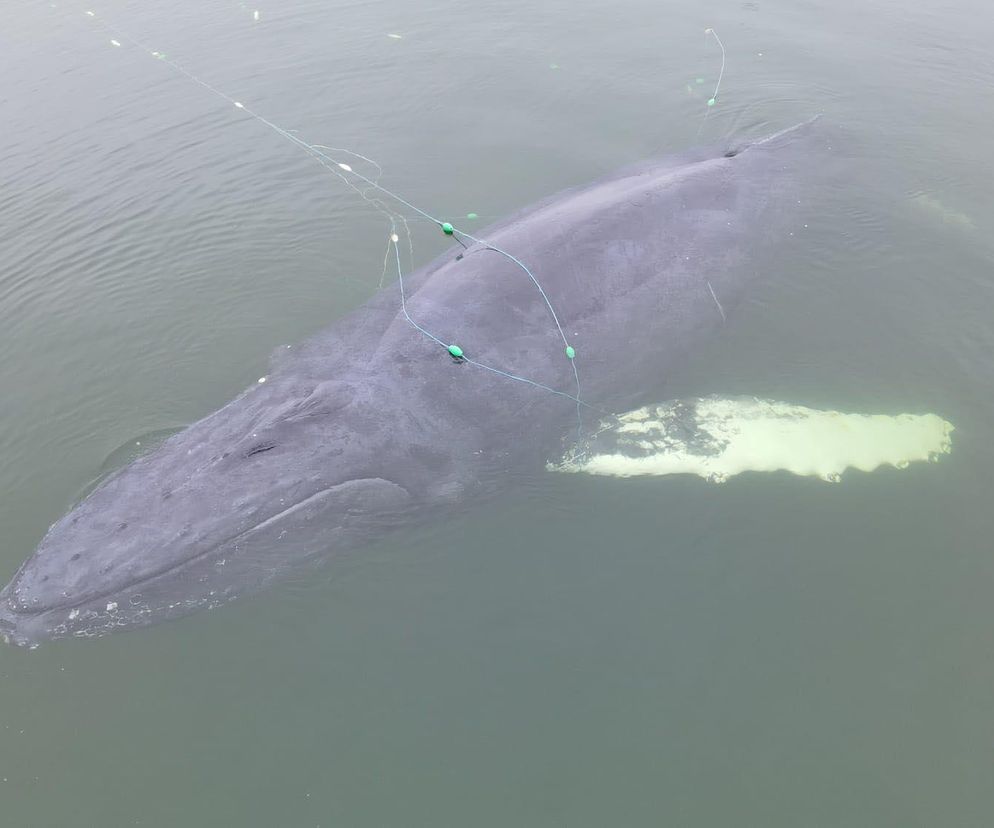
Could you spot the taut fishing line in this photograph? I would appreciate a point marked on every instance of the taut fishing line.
(721, 73)
(349, 176)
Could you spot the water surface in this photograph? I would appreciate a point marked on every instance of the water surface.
(585, 652)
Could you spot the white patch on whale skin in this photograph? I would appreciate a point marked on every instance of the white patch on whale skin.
(717, 438)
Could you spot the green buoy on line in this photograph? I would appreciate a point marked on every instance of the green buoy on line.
(570, 353)
(456, 351)
(471, 216)
(447, 228)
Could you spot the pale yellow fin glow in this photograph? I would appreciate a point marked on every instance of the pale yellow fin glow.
(717, 438)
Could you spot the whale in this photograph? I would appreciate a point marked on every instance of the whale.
(448, 387)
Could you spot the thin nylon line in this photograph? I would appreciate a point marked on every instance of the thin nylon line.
(471, 361)
(403, 298)
(715, 297)
(531, 276)
(548, 304)
(526, 380)
(721, 72)
(386, 261)
(552, 310)
(579, 417)
(312, 149)
(379, 169)
(322, 157)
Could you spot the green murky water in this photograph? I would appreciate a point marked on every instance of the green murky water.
(589, 652)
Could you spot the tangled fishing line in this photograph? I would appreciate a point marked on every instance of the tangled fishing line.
(372, 192)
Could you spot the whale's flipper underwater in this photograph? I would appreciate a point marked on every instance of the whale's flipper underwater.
(717, 438)
(374, 425)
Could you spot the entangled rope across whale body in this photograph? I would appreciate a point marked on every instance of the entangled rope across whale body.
(350, 176)
(370, 190)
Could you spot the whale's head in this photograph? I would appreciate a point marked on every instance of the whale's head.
(216, 511)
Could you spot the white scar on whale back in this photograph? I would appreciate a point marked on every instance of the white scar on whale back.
(717, 438)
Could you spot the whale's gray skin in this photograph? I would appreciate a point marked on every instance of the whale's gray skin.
(370, 426)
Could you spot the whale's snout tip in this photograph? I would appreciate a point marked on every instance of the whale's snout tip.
(19, 631)
(12, 627)
(8, 629)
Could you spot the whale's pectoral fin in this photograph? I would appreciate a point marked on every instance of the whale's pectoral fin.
(717, 438)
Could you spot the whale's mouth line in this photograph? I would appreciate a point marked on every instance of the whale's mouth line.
(28, 612)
